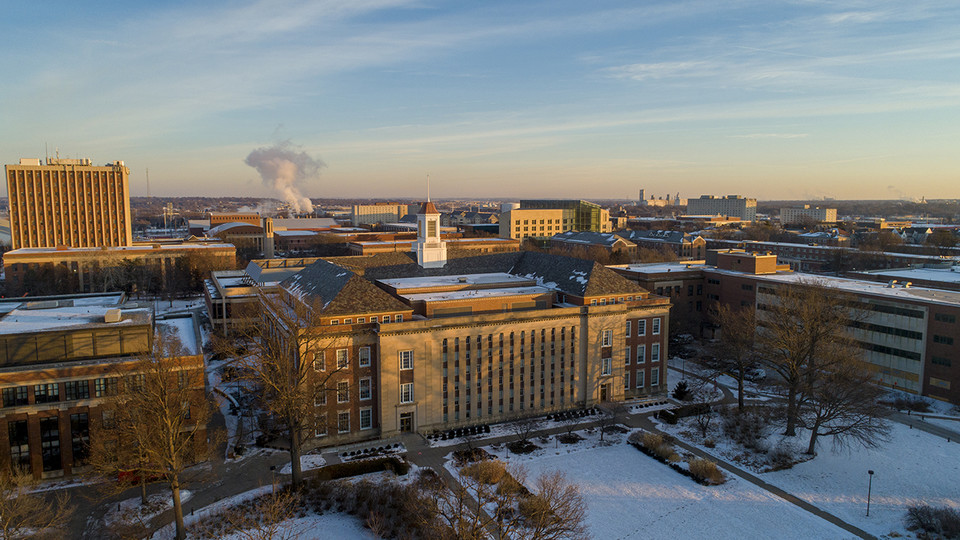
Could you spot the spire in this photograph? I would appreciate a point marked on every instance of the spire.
(428, 188)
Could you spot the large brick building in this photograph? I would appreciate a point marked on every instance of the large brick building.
(473, 339)
(68, 202)
(62, 362)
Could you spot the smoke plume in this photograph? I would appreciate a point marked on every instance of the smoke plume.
(285, 170)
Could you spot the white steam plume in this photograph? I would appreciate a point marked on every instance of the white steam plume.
(285, 170)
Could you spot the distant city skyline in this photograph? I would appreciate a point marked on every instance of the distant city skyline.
(787, 100)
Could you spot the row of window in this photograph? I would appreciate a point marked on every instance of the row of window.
(642, 327)
(617, 300)
(19, 438)
(654, 378)
(343, 359)
(343, 422)
(944, 317)
(373, 319)
(15, 396)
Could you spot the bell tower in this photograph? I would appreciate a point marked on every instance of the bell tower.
(431, 251)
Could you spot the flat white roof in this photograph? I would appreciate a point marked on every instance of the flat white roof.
(456, 279)
(917, 294)
(942, 275)
(476, 294)
(35, 320)
(658, 268)
(184, 329)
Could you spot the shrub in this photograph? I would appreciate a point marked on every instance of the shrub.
(706, 469)
(522, 447)
(651, 440)
(710, 443)
(942, 521)
(664, 451)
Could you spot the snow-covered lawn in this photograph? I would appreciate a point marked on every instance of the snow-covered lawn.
(131, 511)
(630, 495)
(914, 468)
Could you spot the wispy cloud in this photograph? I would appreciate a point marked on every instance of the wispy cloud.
(771, 136)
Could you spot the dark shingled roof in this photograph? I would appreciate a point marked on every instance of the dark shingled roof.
(340, 291)
(578, 277)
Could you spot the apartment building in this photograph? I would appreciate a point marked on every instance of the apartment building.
(373, 214)
(68, 202)
(731, 205)
(801, 215)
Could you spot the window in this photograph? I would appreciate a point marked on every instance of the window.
(945, 340)
(641, 327)
(361, 320)
(320, 397)
(373, 319)
(641, 354)
(364, 358)
(343, 392)
(399, 318)
(406, 359)
(366, 418)
(606, 366)
(603, 301)
(185, 410)
(607, 338)
(19, 444)
(629, 324)
(46, 393)
(319, 362)
(50, 443)
(366, 391)
(655, 377)
(107, 418)
(639, 378)
(343, 422)
(655, 352)
(943, 317)
(135, 382)
(15, 395)
(626, 380)
(321, 428)
(626, 357)
(76, 390)
(334, 322)
(656, 326)
(593, 302)
(343, 359)
(940, 361)
(182, 379)
(406, 393)
(348, 320)
(386, 318)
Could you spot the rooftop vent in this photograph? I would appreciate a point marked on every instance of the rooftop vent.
(892, 283)
(461, 279)
(112, 315)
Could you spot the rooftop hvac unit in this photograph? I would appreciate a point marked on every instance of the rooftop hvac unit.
(112, 315)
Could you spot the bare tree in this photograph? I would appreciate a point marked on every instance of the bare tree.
(265, 520)
(284, 354)
(797, 328)
(556, 510)
(24, 513)
(525, 428)
(160, 420)
(738, 330)
(610, 413)
(843, 404)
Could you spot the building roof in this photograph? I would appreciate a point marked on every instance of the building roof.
(29, 319)
(668, 237)
(590, 238)
(339, 291)
(233, 226)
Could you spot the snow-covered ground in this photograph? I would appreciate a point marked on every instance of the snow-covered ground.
(307, 463)
(314, 527)
(131, 511)
(631, 495)
(914, 468)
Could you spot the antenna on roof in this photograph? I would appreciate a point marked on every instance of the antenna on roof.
(46, 154)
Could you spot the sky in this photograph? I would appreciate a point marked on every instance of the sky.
(771, 99)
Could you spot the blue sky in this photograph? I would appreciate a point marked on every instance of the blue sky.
(773, 99)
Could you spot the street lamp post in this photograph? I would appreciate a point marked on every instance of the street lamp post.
(869, 488)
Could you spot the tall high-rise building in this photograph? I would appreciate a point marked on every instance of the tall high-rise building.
(68, 202)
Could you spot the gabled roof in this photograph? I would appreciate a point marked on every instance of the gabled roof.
(339, 291)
